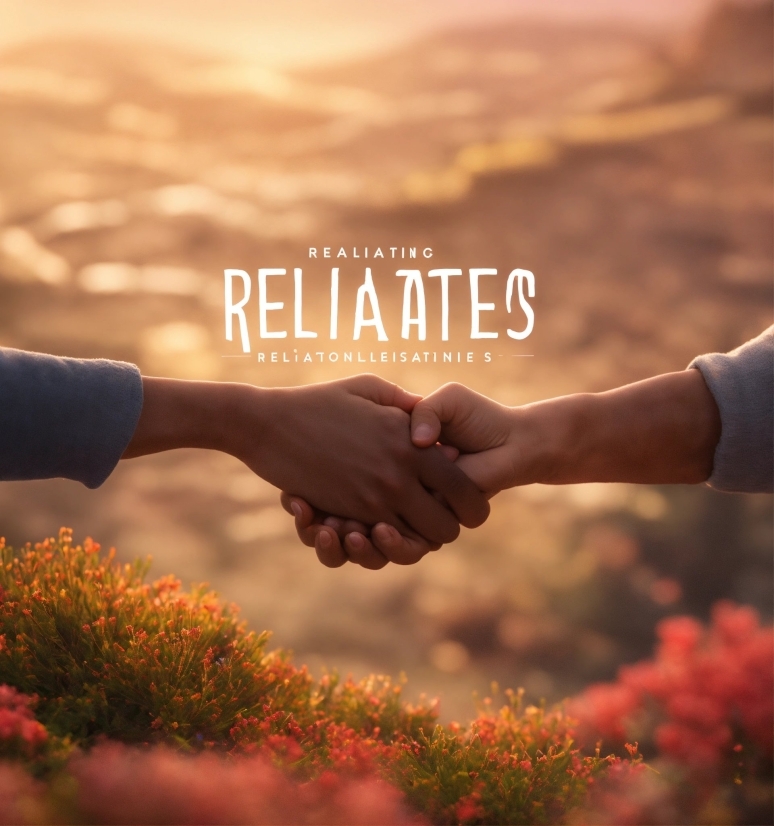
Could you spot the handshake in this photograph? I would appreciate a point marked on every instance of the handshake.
(375, 474)
(381, 487)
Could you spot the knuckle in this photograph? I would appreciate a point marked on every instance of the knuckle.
(362, 382)
(397, 417)
(455, 483)
(453, 389)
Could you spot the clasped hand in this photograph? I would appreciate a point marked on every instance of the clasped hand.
(390, 491)
(374, 474)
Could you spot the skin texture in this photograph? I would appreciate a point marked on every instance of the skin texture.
(344, 446)
(663, 430)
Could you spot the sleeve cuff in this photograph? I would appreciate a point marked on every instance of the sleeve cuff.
(742, 384)
(63, 417)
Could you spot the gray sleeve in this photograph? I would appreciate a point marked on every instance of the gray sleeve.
(742, 383)
(63, 417)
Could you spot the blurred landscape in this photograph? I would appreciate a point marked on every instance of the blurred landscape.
(628, 166)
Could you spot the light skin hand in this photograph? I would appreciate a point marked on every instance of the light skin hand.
(663, 430)
(491, 442)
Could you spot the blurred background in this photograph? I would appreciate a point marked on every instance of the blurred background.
(622, 151)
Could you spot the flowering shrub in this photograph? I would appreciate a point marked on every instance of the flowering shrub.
(510, 766)
(703, 707)
(205, 788)
(123, 701)
(21, 735)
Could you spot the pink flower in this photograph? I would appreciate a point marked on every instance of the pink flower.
(469, 808)
(734, 623)
(206, 789)
(679, 636)
(17, 722)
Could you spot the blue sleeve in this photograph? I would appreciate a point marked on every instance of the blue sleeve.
(742, 383)
(63, 417)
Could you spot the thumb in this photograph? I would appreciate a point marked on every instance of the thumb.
(425, 424)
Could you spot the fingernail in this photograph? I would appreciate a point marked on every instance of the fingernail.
(324, 538)
(355, 540)
(383, 533)
(296, 508)
(422, 432)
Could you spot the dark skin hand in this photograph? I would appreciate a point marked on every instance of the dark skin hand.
(337, 541)
(343, 445)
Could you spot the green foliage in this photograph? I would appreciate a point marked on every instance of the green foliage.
(105, 654)
(108, 654)
(512, 766)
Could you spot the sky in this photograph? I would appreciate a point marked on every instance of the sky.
(296, 33)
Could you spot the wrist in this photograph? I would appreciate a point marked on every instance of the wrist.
(189, 414)
(245, 413)
(659, 431)
(549, 439)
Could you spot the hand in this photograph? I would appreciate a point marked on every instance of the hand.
(492, 448)
(663, 430)
(344, 446)
(337, 541)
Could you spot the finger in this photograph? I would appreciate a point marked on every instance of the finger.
(428, 517)
(450, 403)
(437, 473)
(376, 389)
(328, 548)
(451, 453)
(362, 552)
(306, 518)
(288, 501)
(425, 424)
(398, 548)
(336, 523)
(345, 526)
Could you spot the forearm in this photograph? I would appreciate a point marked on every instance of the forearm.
(663, 430)
(210, 415)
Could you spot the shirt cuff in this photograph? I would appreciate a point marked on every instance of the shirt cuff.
(742, 384)
(63, 417)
